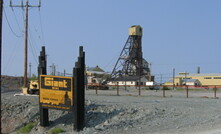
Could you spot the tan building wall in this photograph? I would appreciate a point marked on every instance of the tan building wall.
(177, 82)
(205, 79)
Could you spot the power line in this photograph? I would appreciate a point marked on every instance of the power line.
(16, 20)
(33, 44)
(36, 31)
(33, 51)
(32, 38)
(41, 28)
(10, 25)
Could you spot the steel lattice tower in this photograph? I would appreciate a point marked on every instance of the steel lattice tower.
(131, 62)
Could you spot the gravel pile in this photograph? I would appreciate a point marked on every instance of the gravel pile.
(17, 111)
(120, 114)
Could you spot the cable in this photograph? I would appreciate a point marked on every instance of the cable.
(36, 30)
(10, 25)
(41, 28)
(34, 41)
(33, 50)
(16, 20)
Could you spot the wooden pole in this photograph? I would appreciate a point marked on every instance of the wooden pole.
(1, 11)
(26, 47)
(26, 38)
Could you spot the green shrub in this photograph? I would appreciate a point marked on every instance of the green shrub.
(56, 131)
(27, 128)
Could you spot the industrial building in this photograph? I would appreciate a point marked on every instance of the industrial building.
(208, 79)
(128, 81)
(95, 75)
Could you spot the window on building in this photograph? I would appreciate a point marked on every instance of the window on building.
(216, 77)
(207, 77)
(131, 82)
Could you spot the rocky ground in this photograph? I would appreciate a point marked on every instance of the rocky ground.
(128, 113)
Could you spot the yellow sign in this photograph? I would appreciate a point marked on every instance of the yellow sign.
(56, 92)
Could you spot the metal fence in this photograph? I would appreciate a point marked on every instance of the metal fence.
(160, 91)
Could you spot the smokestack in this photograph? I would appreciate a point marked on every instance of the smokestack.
(198, 70)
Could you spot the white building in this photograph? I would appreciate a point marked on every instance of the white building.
(128, 81)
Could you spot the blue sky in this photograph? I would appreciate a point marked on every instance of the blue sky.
(180, 34)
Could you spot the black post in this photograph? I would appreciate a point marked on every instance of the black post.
(215, 92)
(164, 92)
(96, 90)
(125, 85)
(79, 93)
(42, 69)
(117, 89)
(187, 92)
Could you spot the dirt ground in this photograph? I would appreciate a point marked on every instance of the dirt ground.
(128, 113)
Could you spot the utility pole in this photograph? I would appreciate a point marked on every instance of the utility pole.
(1, 11)
(26, 36)
(198, 70)
(53, 69)
(30, 70)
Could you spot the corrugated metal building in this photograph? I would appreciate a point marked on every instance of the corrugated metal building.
(196, 80)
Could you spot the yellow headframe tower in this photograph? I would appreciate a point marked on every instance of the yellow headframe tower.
(131, 62)
(135, 30)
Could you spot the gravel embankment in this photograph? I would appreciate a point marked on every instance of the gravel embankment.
(127, 114)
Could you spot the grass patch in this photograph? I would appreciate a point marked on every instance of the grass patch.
(56, 131)
(27, 128)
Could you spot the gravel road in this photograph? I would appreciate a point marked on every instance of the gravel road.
(128, 113)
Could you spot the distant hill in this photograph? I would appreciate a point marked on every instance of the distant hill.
(11, 82)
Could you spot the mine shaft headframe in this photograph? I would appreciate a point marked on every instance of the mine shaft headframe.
(130, 60)
(135, 30)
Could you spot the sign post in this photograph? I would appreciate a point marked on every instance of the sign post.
(62, 93)
(79, 96)
(42, 70)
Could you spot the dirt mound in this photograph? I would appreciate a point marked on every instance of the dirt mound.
(11, 82)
